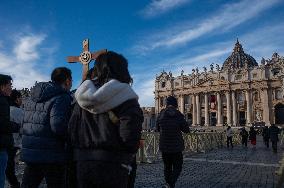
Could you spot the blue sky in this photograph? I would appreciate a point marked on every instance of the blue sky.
(174, 35)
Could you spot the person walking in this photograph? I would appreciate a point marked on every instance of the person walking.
(244, 135)
(46, 116)
(171, 123)
(105, 126)
(229, 133)
(16, 115)
(6, 126)
(252, 137)
(273, 133)
(265, 135)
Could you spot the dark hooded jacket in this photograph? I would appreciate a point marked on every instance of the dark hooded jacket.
(171, 124)
(46, 116)
(6, 127)
(112, 134)
(273, 133)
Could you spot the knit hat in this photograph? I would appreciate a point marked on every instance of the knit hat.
(171, 100)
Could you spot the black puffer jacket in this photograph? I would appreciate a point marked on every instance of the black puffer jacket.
(46, 116)
(171, 124)
(6, 127)
(95, 137)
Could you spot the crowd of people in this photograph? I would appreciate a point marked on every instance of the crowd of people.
(89, 138)
(268, 133)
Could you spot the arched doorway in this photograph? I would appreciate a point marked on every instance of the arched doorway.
(279, 113)
(213, 118)
(188, 118)
(242, 118)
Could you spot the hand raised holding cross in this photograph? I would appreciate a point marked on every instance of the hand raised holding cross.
(85, 58)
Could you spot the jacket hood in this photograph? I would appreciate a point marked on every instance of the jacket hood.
(43, 91)
(171, 111)
(102, 99)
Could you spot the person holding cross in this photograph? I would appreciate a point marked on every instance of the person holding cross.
(105, 126)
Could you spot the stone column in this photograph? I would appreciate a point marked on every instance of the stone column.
(198, 114)
(157, 105)
(182, 104)
(206, 111)
(249, 107)
(234, 102)
(265, 106)
(193, 111)
(229, 115)
(219, 113)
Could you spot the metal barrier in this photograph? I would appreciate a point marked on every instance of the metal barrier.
(194, 143)
(280, 171)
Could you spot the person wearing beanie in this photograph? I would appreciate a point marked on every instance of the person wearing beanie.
(171, 123)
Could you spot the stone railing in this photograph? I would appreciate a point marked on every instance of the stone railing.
(194, 143)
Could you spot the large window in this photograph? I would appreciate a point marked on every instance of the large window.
(255, 96)
(241, 98)
(187, 99)
(238, 77)
(275, 71)
(162, 101)
(176, 84)
(278, 94)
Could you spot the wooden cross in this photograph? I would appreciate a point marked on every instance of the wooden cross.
(85, 57)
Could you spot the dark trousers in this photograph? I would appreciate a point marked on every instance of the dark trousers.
(53, 173)
(70, 181)
(230, 140)
(99, 174)
(132, 175)
(266, 142)
(274, 146)
(245, 142)
(172, 167)
(10, 169)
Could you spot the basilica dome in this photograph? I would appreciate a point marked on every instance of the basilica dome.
(239, 59)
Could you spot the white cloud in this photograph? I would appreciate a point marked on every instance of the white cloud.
(157, 7)
(26, 47)
(226, 18)
(265, 41)
(259, 43)
(145, 89)
(21, 62)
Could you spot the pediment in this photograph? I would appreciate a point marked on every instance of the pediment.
(212, 82)
(163, 76)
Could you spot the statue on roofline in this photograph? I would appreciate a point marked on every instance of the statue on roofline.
(212, 67)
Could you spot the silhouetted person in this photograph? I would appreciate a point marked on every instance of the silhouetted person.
(7, 128)
(244, 135)
(252, 137)
(171, 124)
(229, 133)
(273, 133)
(265, 135)
(46, 116)
(105, 126)
(16, 115)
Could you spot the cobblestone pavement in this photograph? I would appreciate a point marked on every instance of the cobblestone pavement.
(237, 167)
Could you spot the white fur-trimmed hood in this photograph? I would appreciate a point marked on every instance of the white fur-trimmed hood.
(100, 100)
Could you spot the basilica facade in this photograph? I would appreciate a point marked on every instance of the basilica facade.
(240, 92)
